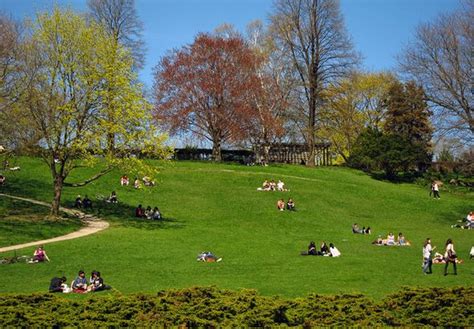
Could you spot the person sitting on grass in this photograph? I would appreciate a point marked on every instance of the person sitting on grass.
(57, 284)
(79, 285)
(87, 203)
(156, 214)
(390, 239)
(290, 205)
(148, 213)
(333, 251)
(471, 253)
(312, 249)
(208, 257)
(147, 181)
(2, 180)
(124, 181)
(324, 249)
(136, 184)
(39, 255)
(113, 198)
(97, 283)
(139, 212)
(281, 186)
(281, 205)
(78, 202)
(401, 240)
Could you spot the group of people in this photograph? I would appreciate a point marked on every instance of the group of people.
(271, 185)
(290, 205)
(125, 181)
(357, 230)
(391, 240)
(325, 250)
(449, 257)
(85, 203)
(469, 222)
(148, 213)
(80, 284)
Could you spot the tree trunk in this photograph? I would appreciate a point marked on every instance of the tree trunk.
(58, 188)
(216, 150)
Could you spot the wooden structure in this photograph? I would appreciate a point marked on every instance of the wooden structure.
(278, 153)
(298, 154)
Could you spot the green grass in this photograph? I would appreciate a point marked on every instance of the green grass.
(216, 207)
(22, 222)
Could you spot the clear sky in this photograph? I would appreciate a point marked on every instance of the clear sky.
(379, 28)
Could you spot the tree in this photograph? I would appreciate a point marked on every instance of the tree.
(404, 145)
(408, 117)
(204, 88)
(352, 104)
(270, 96)
(440, 59)
(70, 72)
(311, 33)
(120, 19)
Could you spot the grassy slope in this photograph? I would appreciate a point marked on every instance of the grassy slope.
(22, 222)
(216, 207)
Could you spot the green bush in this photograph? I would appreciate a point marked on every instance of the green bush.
(209, 306)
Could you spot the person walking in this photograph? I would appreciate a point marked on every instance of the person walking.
(450, 257)
(427, 259)
(436, 190)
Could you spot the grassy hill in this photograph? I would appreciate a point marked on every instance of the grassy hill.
(216, 207)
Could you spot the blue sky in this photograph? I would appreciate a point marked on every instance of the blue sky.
(379, 28)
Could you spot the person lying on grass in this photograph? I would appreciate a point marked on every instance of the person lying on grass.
(79, 285)
(39, 255)
(208, 257)
(363, 230)
(469, 222)
(440, 259)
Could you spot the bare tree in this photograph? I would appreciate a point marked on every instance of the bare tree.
(121, 21)
(312, 34)
(441, 59)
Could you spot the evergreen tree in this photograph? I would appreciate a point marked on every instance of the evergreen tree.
(407, 120)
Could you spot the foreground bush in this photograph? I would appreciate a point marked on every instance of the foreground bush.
(195, 307)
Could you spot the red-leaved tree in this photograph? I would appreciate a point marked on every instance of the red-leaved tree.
(207, 88)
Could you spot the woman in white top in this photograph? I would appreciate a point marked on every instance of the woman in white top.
(427, 260)
(333, 251)
(450, 257)
(390, 239)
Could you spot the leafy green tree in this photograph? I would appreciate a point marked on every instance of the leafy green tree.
(73, 82)
(366, 150)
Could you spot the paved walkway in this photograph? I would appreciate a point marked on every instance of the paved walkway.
(92, 225)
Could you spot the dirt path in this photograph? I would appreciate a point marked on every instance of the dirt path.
(92, 225)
